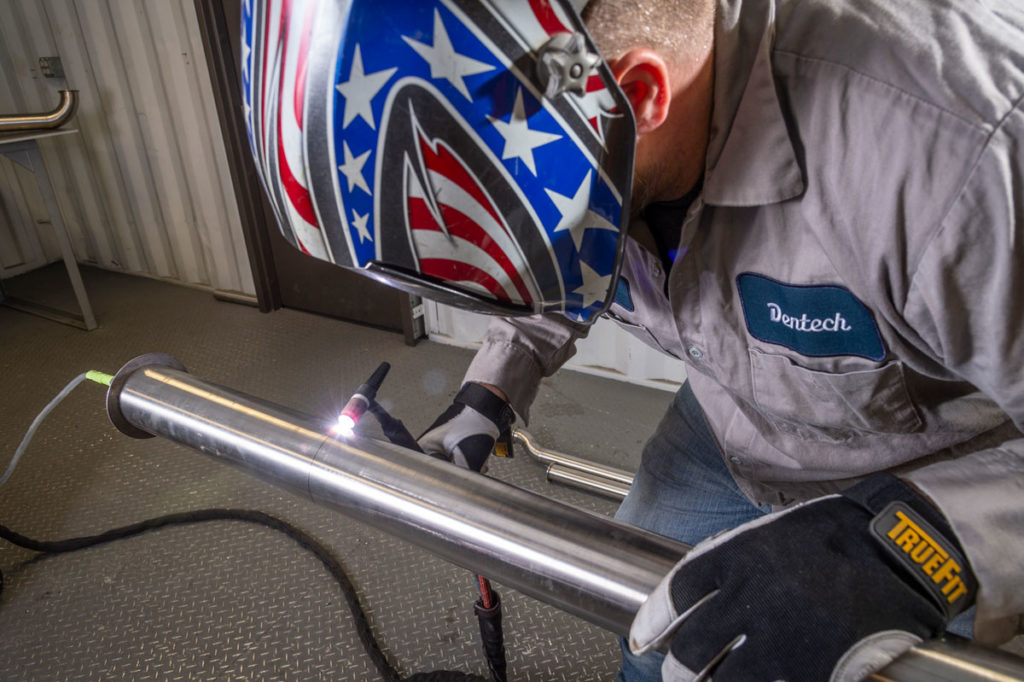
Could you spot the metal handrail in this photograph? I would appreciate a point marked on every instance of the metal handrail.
(49, 119)
(557, 473)
(523, 438)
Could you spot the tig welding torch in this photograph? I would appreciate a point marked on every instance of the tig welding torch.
(488, 607)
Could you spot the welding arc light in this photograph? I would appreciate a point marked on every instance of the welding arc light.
(350, 415)
(360, 402)
(345, 425)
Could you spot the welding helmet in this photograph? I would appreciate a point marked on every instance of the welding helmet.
(474, 152)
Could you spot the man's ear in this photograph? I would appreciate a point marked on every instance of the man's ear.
(644, 78)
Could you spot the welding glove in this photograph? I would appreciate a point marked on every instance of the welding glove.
(467, 431)
(832, 589)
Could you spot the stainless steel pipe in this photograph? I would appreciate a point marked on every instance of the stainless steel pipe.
(582, 563)
(524, 439)
(575, 471)
(558, 473)
(49, 119)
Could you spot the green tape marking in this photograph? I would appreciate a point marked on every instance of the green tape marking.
(99, 377)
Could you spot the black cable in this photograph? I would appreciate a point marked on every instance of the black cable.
(393, 429)
(387, 671)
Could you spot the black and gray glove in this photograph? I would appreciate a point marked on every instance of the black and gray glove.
(467, 431)
(833, 589)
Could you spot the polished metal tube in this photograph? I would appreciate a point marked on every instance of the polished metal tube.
(49, 119)
(527, 441)
(557, 473)
(582, 563)
(952, 659)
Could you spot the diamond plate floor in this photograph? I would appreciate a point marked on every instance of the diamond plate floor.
(228, 600)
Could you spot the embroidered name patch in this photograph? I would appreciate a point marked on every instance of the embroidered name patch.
(813, 320)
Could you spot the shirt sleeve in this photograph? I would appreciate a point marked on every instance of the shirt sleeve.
(517, 352)
(967, 303)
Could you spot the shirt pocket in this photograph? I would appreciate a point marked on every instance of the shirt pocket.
(640, 332)
(833, 406)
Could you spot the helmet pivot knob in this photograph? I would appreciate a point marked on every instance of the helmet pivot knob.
(565, 64)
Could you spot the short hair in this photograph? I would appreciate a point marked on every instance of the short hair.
(670, 27)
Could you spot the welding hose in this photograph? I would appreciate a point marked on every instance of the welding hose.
(362, 625)
(393, 429)
(98, 377)
(361, 622)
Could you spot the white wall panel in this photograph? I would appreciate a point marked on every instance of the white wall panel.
(144, 186)
(607, 351)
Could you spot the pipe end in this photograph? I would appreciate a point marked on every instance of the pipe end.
(117, 383)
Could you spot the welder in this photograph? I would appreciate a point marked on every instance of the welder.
(816, 205)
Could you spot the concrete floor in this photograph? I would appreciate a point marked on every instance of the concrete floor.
(230, 601)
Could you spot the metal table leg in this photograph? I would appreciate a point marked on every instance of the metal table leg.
(26, 154)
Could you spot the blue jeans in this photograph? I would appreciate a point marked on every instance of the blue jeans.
(683, 490)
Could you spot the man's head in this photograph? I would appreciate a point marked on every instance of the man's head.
(660, 52)
(676, 28)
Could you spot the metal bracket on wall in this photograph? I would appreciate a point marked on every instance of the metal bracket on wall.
(414, 325)
(51, 67)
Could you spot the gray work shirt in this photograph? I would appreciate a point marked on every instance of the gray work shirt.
(849, 294)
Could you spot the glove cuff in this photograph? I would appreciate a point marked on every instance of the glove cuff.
(877, 491)
(486, 403)
(914, 533)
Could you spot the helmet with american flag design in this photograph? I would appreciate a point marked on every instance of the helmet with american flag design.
(476, 152)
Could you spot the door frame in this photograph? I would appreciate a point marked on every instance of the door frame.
(253, 209)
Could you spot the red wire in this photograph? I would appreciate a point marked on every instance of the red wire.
(486, 595)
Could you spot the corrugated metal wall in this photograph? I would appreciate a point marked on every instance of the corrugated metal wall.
(144, 186)
(607, 351)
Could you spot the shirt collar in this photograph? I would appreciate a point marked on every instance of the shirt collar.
(751, 160)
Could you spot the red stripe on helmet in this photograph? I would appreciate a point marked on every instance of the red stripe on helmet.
(458, 271)
(445, 163)
(545, 14)
(300, 73)
(297, 193)
(263, 81)
(460, 225)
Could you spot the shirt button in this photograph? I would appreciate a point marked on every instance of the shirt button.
(656, 271)
(734, 460)
(695, 353)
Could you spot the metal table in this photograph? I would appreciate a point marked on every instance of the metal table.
(22, 148)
